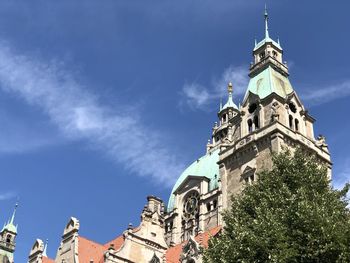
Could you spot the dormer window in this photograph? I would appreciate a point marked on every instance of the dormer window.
(252, 107)
(292, 107)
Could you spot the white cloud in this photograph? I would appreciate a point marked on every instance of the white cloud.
(197, 96)
(7, 195)
(326, 94)
(118, 133)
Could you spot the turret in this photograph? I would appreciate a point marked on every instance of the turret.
(268, 53)
(8, 236)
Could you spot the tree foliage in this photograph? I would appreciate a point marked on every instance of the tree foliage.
(290, 214)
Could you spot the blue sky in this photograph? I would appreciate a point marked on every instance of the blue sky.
(105, 102)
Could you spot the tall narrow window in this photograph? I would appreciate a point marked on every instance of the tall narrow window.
(250, 126)
(291, 121)
(296, 125)
(256, 122)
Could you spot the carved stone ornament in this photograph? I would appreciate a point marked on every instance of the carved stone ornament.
(321, 141)
(154, 259)
(190, 252)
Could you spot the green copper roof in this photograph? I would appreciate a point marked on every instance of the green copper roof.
(10, 228)
(205, 166)
(267, 82)
(267, 40)
(229, 103)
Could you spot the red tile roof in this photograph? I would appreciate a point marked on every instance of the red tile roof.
(48, 260)
(117, 243)
(89, 250)
(173, 253)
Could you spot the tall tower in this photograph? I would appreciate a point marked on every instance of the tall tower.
(272, 117)
(7, 239)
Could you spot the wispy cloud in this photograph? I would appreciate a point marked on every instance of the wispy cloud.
(326, 94)
(119, 133)
(198, 96)
(7, 195)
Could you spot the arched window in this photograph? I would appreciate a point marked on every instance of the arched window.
(250, 126)
(291, 121)
(262, 55)
(256, 122)
(8, 239)
(296, 125)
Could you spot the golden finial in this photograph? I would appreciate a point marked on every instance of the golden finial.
(230, 87)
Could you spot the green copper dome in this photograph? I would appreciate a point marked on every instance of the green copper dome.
(205, 166)
(267, 82)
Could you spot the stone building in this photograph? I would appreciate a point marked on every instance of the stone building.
(270, 118)
(8, 240)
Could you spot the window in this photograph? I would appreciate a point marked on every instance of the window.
(208, 207)
(296, 125)
(224, 118)
(274, 53)
(262, 55)
(252, 107)
(215, 203)
(291, 121)
(8, 239)
(250, 126)
(292, 107)
(256, 122)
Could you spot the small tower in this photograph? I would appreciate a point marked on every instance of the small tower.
(222, 132)
(267, 53)
(7, 239)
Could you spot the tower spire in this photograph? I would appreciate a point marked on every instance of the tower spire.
(45, 248)
(13, 215)
(266, 16)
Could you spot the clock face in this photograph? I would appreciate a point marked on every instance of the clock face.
(191, 204)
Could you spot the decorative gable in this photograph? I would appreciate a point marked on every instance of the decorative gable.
(190, 252)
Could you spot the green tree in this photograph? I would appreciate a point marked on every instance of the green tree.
(290, 214)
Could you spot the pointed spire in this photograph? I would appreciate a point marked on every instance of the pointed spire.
(45, 248)
(278, 41)
(13, 215)
(255, 42)
(266, 16)
(220, 103)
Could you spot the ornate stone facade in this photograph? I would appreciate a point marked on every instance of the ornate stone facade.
(270, 118)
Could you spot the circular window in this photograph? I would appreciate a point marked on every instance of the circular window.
(191, 205)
